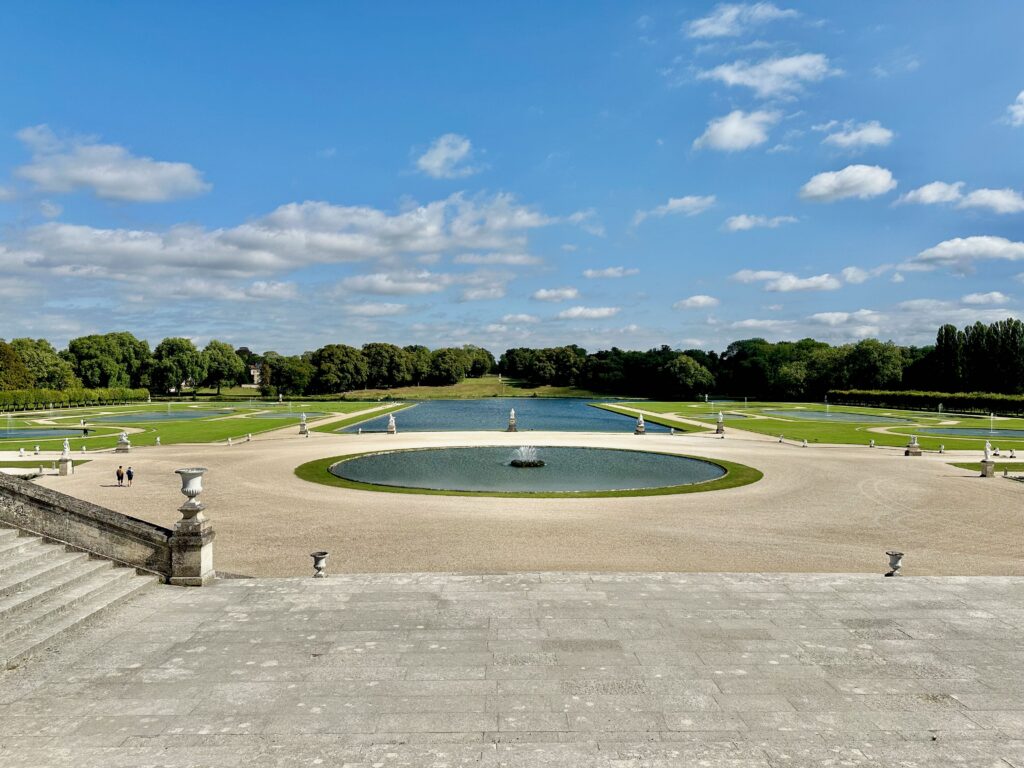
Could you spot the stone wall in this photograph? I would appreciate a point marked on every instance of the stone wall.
(85, 526)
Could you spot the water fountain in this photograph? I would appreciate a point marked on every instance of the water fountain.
(526, 457)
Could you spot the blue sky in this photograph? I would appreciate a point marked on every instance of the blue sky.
(629, 174)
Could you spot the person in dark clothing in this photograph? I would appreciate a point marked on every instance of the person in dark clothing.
(130, 474)
(120, 475)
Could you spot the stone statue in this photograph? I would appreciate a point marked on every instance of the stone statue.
(392, 429)
(988, 449)
(641, 428)
(720, 426)
(67, 447)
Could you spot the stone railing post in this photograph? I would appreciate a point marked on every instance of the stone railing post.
(192, 540)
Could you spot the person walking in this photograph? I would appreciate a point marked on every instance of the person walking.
(120, 475)
(130, 474)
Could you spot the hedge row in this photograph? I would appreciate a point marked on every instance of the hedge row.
(957, 402)
(37, 399)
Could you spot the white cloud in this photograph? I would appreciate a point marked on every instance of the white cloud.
(860, 181)
(745, 221)
(855, 275)
(446, 158)
(396, 284)
(50, 209)
(698, 301)
(555, 294)
(738, 130)
(776, 77)
(755, 324)
(588, 313)
(690, 205)
(610, 272)
(520, 318)
(1015, 112)
(587, 221)
(483, 293)
(996, 200)
(506, 259)
(373, 309)
(979, 299)
(6, 194)
(858, 136)
(784, 282)
(897, 278)
(108, 170)
(271, 290)
(961, 252)
(731, 20)
(932, 194)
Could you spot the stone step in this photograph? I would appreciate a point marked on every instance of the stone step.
(33, 590)
(16, 545)
(45, 562)
(38, 637)
(6, 534)
(75, 595)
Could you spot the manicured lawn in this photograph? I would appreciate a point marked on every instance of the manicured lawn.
(1012, 466)
(849, 433)
(334, 426)
(736, 475)
(38, 463)
(216, 428)
(470, 389)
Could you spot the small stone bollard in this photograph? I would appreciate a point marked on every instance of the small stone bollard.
(158, 440)
(83, 449)
(229, 442)
(248, 438)
(942, 448)
(782, 438)
(21, 452)
(37, 450)
(895, 562)
(320, 564)
(871, 443)
(804, 443)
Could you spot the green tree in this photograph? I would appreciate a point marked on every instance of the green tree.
(419, 363)
(13, 372)
(688, 377)
(386, 365)
(448, 366)
(338, 368)
(177, 364)
(481, 362)
(110, 360)
(872, 364)
(294, 375)
(223, 365)
(49, 370)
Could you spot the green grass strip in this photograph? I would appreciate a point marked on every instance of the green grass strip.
(1012, 466)
(665, 421)
(334, 426)
(736, 475)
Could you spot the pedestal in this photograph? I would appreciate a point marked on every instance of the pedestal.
(66, 466)
(912, 450)
(720, 429)
(303, 429)
(192, 552)
(391, 429)
(988, 469)
(123, 446)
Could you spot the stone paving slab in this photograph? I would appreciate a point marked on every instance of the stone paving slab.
(606, 670)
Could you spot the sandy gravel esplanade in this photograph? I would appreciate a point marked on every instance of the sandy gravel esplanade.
(818, 509)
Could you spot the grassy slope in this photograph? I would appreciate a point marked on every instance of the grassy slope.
(842, 433)
(736, 475)
(469, 389)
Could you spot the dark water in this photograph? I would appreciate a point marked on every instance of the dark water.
(972, 432)
(549, 414)
(488, 469)
(27, 432)
(837, 416)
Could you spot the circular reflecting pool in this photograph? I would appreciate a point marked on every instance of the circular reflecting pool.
(133, 418)
(32, 432)
(973, 432)
(837, 416)
(488, 469)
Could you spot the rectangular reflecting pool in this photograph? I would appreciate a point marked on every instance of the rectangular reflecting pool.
(532, 414)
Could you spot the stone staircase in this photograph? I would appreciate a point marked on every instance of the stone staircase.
(47, 590)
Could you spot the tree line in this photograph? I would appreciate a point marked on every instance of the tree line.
(977, 358)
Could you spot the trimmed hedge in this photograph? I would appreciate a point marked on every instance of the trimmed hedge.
(38, 399)
(956, 402)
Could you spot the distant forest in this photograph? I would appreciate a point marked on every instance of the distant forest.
(978, 358)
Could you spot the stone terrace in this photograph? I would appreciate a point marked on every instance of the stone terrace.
(624, 670)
